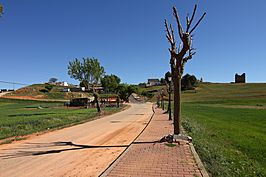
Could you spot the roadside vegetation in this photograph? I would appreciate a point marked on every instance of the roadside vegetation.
(23, 117)
(228, 125)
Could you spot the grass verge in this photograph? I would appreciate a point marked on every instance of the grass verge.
(24, 117)
(228, 126)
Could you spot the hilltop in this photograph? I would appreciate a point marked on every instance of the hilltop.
(40, 92)
(217, 92)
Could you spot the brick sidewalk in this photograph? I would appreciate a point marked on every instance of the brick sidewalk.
(146, 158)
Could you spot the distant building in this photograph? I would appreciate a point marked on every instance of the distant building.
(83, 89)
(65, 84)
(76, 89)
(240, 78)
(153, 82)
(66, 90)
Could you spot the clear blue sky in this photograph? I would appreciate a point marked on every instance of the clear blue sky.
(39, 38)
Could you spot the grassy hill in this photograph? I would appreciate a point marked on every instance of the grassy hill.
(36, 92)
(228, 126)
(222, 91)
(219, 91)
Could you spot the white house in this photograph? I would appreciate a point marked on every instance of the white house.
(153, 82)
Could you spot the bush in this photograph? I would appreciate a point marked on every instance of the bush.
(147, 94)
(44, 90)
(53, 80)
(49, 87)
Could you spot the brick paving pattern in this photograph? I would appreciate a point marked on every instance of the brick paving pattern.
(148, 158)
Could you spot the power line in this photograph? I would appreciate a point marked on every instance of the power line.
(16, 83)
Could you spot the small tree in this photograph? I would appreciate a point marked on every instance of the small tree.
(49, 87)
(110, 83)
(179, 58)
(162, 81)
(147, 94)
(117, 101)
(52, 80)
(96, 99)
(124, 91)
(193, 80)
(186, 83)
(89, 72)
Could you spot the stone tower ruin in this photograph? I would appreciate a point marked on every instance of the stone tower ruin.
(240, 78)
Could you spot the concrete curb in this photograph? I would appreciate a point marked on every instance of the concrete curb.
(198, 161)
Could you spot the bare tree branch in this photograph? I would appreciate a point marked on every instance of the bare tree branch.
(172, 33)
(188, 21)
(197, 23)
(179, 47)
(192, 17)
(190, 55)
(168, 35)
(180, 29)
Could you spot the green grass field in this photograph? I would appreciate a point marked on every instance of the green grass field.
(22, 117)
(228, 125)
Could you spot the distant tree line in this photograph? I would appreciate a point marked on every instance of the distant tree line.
(111, 84)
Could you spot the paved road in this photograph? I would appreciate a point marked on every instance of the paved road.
(144, 158)
(82, 150)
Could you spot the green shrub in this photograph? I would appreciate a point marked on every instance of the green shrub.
(147, 94)
(49, 87)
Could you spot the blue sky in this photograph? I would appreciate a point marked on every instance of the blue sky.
(39, 38)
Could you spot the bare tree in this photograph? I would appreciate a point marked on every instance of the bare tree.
(179, 57)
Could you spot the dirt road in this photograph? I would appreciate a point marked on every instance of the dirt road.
(82, 150)
(3, 93)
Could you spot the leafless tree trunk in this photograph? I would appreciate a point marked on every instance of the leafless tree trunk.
(96, 99)
(179, 58)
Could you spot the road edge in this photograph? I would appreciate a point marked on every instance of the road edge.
(200, 165)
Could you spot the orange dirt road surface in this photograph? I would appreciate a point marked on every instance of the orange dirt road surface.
(82, 150)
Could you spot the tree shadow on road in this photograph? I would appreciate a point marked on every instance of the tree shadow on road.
(21, 153)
